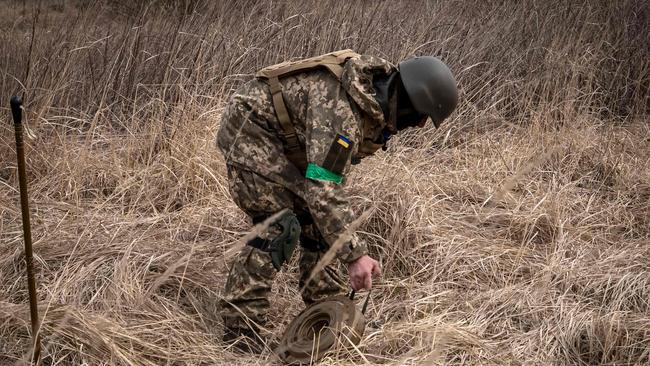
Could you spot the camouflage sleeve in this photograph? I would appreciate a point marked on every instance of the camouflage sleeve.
(331, 133)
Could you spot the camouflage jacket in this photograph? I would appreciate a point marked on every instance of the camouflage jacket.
(321, 109)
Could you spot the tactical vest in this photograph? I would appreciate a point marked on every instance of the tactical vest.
(271, 74)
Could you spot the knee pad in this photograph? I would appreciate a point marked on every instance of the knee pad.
(281, 240)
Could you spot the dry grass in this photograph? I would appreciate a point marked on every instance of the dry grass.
(519, 233)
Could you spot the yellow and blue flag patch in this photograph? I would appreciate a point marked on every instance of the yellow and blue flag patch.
(343, 141)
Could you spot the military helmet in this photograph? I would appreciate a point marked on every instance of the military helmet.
(430, 86)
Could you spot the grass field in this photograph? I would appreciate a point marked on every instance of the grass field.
(518, 233)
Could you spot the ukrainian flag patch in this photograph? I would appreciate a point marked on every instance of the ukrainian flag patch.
(343, 141)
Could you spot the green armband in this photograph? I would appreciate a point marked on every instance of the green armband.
(316, 172)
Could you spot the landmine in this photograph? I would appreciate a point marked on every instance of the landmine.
(322, 327)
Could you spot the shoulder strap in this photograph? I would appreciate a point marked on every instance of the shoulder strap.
(293, 150)
(332, 61)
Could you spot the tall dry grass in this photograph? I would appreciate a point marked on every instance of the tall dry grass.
(518, 233)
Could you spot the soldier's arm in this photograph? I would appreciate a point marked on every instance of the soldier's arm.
(331, 133)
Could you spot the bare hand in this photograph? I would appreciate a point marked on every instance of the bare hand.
(361, 272)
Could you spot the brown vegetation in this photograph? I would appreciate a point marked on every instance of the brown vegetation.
(518, 233)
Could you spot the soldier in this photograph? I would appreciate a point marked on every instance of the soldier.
(289, 137)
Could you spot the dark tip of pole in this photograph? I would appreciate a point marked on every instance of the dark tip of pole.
(16, 109)
(15, 101)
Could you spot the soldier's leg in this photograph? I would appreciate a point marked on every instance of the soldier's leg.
(245, 298)
(327, 282)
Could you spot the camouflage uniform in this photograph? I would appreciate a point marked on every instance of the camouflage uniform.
(263, 181)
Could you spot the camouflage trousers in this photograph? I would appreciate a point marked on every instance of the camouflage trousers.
(246, 294)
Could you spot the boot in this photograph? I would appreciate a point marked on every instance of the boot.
(244, 340)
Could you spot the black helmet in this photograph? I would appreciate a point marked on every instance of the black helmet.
(430, 86)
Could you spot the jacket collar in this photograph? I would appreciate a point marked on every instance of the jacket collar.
(357, 80)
